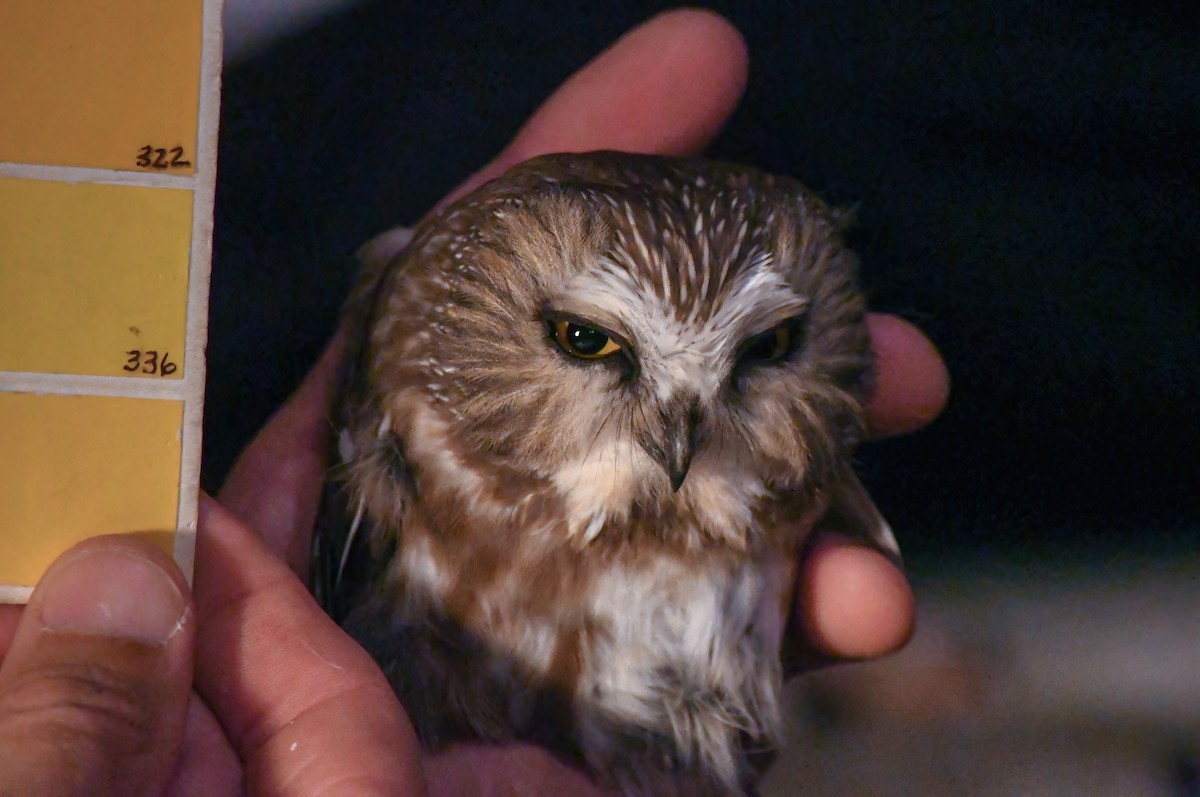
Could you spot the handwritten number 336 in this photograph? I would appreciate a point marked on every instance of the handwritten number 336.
(148, 362)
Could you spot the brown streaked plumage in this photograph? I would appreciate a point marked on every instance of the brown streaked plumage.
(590, 412)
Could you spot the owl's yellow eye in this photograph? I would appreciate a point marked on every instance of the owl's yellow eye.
(774, 344)
(580, 340)
(769, 345)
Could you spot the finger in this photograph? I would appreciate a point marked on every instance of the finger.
(9, 617)
(912, 384)
(667, 86)
(275, 485)
(207, 764)
(852, 603)
(306, 709)
(94, 690)
(483, 771)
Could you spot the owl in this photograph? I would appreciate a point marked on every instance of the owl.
(588, 415)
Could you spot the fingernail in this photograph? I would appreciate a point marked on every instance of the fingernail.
(111, 592)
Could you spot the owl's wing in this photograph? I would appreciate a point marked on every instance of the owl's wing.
(852, 512)
(341, 563)
(342, 560)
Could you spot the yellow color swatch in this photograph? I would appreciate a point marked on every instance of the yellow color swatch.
(79, 466)
(93, 278)
(85, 83)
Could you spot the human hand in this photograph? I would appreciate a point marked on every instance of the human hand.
(97, 671)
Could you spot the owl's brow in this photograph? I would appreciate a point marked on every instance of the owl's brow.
(757, 302)
(773, 318)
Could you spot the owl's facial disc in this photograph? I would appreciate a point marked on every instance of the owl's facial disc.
(685, 369)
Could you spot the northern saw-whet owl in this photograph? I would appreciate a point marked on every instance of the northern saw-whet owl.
(589, 413)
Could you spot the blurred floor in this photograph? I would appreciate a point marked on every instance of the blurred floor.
(1031, 681)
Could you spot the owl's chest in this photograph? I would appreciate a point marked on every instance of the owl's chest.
(648, 640)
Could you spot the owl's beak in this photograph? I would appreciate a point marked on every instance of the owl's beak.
(674, 449)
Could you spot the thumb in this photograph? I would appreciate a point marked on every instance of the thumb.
(94, 689)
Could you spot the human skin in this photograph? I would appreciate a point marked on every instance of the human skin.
(245, 680)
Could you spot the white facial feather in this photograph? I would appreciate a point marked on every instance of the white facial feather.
(601, 484)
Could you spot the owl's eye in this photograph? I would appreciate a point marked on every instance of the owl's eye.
(774, 344)
(580, 340)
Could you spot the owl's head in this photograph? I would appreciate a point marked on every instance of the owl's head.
(652, 337)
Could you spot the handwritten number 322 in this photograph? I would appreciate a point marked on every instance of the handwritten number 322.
(149, 157)
(148, 362)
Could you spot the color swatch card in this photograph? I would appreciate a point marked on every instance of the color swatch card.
(108, 123)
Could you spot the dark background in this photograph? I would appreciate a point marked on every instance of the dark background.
(1027, 177)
